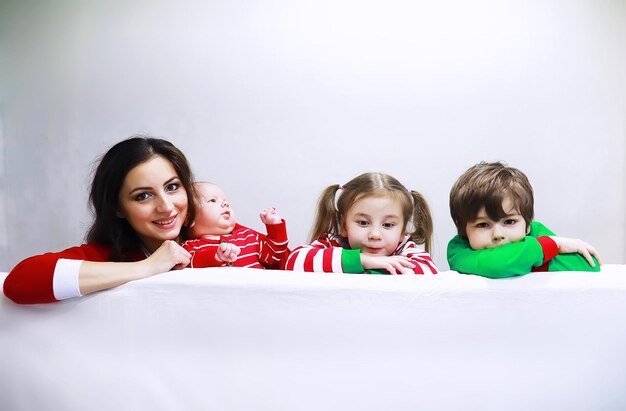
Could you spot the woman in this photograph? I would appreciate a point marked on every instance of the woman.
(142, 198)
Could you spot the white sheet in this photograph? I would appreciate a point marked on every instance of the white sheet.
(243, 339)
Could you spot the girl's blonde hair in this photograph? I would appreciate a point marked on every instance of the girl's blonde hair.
(329, 218)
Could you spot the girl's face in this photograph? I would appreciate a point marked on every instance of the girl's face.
(374, 224)
(483, 232)
(154, 202)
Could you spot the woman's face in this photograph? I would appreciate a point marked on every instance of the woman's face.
(154, 202)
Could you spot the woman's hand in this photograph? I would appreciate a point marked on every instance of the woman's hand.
(393, 264)
(96, 276)
(574, 245)
(169, 256)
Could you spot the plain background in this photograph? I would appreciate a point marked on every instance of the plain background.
(275, 100)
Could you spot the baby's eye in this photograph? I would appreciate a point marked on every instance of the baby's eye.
(510, 221)
(389, 225)
(142, 196)
(362, 223)
(482, 225)
(211, 200)
(172, 187)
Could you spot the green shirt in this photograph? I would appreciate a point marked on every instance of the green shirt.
(513, 259)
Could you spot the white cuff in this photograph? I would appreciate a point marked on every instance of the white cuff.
(65, 280)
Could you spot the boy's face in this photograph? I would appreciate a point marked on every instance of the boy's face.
(484, 233)
(213, 215)
(374, 225)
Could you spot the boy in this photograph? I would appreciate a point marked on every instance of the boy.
(492, 207)
(220, 241)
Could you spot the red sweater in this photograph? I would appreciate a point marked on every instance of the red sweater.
(330, 256)
(256, 249)
(31, 281)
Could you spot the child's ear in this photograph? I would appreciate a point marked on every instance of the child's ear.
(527, 229)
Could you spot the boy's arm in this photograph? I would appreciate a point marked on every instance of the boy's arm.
(574, 254)
(573, 262)
(537, 230)
(507, 260)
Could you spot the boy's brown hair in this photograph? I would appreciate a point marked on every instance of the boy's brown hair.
(487, 185)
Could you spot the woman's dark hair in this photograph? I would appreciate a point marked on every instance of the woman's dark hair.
(108, 228)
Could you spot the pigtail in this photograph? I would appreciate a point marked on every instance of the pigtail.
(422, 221)
(327, 217)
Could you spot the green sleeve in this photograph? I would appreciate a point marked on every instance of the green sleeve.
(563, 262)
(572, 262)
(377, 271)
(537, 230)
(351, 261)
(507, 260)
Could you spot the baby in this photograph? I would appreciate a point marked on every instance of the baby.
(219, 241)
(492, 206)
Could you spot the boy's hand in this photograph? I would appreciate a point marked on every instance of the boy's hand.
(227, 253)
(393, 264)
(574, 245)
(269, 216)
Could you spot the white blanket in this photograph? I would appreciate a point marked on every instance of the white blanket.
(244, 339)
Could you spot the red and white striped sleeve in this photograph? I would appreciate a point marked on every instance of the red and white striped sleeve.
(273, 247)
(424, 264)
(319, 256)
(326, 256)
(203, 253)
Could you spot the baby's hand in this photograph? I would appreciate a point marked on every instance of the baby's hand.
(574, 245)
(269, 216)
(227, 253)
(393, 264)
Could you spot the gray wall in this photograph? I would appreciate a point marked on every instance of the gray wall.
(275, 100)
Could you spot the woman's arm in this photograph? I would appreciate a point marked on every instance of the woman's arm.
(97, 276)
(82, 270)
(34, 281)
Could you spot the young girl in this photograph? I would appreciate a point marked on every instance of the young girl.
(372, 227)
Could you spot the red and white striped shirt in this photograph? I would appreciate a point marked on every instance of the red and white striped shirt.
(256, 249)
(329, 256)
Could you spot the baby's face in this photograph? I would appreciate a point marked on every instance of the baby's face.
(484, 233)
(213, 213)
